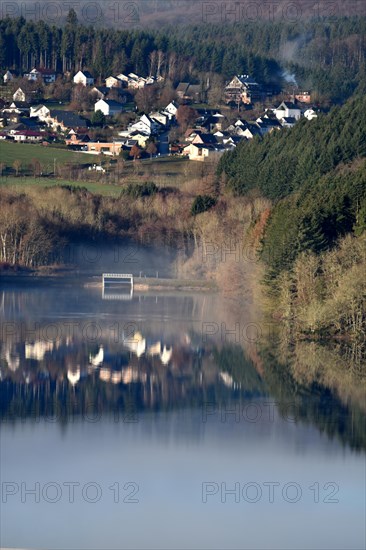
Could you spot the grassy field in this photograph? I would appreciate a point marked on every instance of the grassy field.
(26, 152)
(164, 171)
(22, 183)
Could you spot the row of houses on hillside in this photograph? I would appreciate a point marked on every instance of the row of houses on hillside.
(131, 80)
(244, 89)
(209, 138)
(138, 133)
(57, 119)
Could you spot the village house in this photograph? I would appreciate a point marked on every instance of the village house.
(252, 130)
(189, 92)
(211, 122)
(16, 108)
(201, 151)
(268, 124)
(310, 114)
(207, 139)
(76, 140)
(171, 109)
(191, 134)
(138, 138)
(132, 80)
(161, 117)
(8, 77)
(84, 78)
(287, 110)
(20, 95)
(65, 120)
(114, 82)
(100, 92)
(39, 111)
(146, 125)
(288, 121)
(47, 75)
(108, 107)
(242, 89)
(303, 97)
(108, 148)
(28, 135)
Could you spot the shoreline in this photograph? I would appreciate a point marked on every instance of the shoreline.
(66, 277)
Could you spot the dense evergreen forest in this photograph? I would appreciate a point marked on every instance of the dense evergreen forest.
(313, 244)
(326, 56)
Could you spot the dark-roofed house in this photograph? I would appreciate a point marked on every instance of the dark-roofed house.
(39, 111)
(268, 124)
(47, 75)
(252, 130)
(212, 122)
(100, 92)
(109, 107)
(207, 139)
(77, 141)
(202, 151)
(287, 110)
(288, 121)
(28, 135)
(65, 120)
(243, 88)
(189, 92)
(84, 78)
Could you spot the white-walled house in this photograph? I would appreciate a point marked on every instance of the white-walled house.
(47, 75)
(28, 135)
(113, 82)
(171, 109)
(108, 107)
(84, 78)
(146, 125)
(310, 114)
(287, 110)
(40, 111)
(8, 77)
(19, 95)
(203, 151)
(163, 118)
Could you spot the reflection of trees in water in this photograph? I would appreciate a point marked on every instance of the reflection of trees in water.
(326, 385)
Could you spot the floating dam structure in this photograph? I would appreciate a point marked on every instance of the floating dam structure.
(117, 286)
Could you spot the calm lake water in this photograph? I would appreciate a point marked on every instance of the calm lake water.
(169, 421)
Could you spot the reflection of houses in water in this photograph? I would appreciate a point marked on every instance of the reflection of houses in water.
(38, 349)
(166, 355)
(128, 375)
(228, 380)
(116, 377)
(105, 374)
(136, 344)
(97, 359)
(156, 350)
(73, 376)
(12, 358)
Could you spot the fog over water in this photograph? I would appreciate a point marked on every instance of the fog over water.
(126, 257)
(157, 420)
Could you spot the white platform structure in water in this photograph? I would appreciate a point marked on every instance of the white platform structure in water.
(114, 281)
